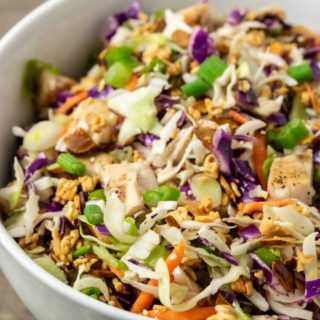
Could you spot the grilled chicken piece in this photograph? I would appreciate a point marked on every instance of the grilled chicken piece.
(92, 120)
(48, 85)
(291, 177)
(123, 179)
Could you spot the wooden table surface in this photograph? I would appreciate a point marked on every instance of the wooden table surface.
(11, 308)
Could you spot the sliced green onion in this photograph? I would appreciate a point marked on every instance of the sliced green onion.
(71, 164)
(156, 65)
(301, 72)
(106, 256)
(316, 175)
(169, 193)
(288, 136)
(133, 230)
(151, 198)
(82, 251)
(195, 88)
(298, 109)
(92, 292)
(93, 214)
(267, 166)
(116, 54)
(211, 69)
(158, 252)
(267, 255)
(97, 195)
(119, 74)
(31, 73)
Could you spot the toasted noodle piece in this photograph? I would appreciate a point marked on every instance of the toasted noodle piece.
(193, 314)
(284, 275)
(251, 207)
(278, 241)
(204, 131)
(238, 117)
(196, 15)
(259, 155)
(314, 97)
(79, 141)
(291, 177)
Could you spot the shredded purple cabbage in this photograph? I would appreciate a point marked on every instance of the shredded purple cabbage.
(39, 162)
(65, 223)
(51, 207)
(221, 147)
(148, 138)
(236, 17)
(138, 263)
(311, 53)
(312, 289)
(246, 100)
(250, 232)
(262, 266)
(117, 19)
(186, 189)
(315, 69)
(278, 118)
(231, 259)
(274, 22)
(164, 101)
(95, 93)
(102, 229)
(201, 45)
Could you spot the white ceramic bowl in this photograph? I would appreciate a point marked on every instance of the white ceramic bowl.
(64, 32)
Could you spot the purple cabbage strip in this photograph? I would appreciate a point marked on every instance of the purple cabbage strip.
(311, 53)
(51, 207)
(186, 189)
(236, 17)
(312, 289)
(117, 19)
(250, 232)
(243, 168)
(242, 137)
(262, 266)
(65, 223)
(138, 263)
(231, 259)
(182, 119)
(246, 100)
(164, 101)
(95, 93)
(201, 45)
(221, 147)
(39, 162)
(273, 22)
(278, 118)
(148, 138)
(315, 69)
(102, 229)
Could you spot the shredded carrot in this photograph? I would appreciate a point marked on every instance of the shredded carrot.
(71, 102)
(251, 207)
(259, 155)
(118, 272)
(102, 54)
(193, 314)
(145, 300)
(238, 117)
(132, 83)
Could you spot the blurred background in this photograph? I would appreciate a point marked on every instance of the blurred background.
(11, 11)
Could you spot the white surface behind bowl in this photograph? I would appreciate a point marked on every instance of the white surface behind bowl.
(63, 32)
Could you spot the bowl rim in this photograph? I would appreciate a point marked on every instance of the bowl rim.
(9, 244)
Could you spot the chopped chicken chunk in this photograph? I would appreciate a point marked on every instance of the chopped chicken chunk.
(291, 177)
(95, 119)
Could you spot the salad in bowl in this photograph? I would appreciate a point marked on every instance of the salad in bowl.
(178, 178)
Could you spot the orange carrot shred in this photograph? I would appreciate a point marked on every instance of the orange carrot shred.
(193, 314)
(259, 155)
(72, 101)
(251, 207)
(132, 83)
(145, 300)
(118, 272)
(238, 117)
